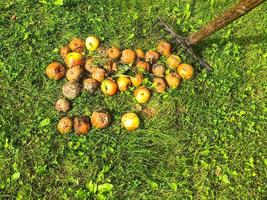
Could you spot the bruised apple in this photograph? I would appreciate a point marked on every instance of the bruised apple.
(114, 53)
(128, 56)
(77, 45)
(62, 105)
(137, 80)
(55, 70)
(142, 66)
(90, 85)
(130, 121)
(173, 80)
(186, 71)
(74, 74)
(159, 85)
(81, 125)
(164, 48)
(73, 59)
(65, 125)
(123, 83)
(71, 90)
(64, 51)
(100, 120)
(142, 94)
(173, 61)
(109, 87)
(140, 54)
(158, 70)
(90, 66)
(152, 56)
(92, 43)
(111, 66)
(98, 74)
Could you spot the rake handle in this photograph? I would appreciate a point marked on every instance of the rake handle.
(243, 7)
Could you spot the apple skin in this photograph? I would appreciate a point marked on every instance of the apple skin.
(186, 71)
(137, 80)
(140, 54)
(114, 53)
(164, 48)
(123, 83)
(90, 85)
(81, 125)
(55, 70)
(173, 61)
(92, 43)
(63, 105)
(65, 125)
(98, 74)
(152, 56)
(77, 45)
(109, 87)
(158, 70)
(64, 51)
(74, 74)
(74, 59)
(142, 94)
(159, 84)
(100, 120)
(130, 121)
(173, 80)
(142, 66)
(128, 56)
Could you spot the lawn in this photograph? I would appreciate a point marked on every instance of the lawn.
(205, 140)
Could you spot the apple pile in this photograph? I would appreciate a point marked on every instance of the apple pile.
(101, 68)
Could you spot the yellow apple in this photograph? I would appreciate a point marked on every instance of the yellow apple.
(130, 121)
(92, 43)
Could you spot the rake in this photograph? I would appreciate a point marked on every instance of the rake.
(187, 43)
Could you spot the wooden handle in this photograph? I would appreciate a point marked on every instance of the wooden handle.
(243, 7)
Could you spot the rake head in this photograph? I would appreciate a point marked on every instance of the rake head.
(183, 42)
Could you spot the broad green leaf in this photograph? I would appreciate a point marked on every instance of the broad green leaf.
(15, 176)
(44, 122)
(59, 2)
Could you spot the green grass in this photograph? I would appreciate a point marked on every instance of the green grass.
(206, 140)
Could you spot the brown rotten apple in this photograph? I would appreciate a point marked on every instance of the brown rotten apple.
(77, 45)
(90, 65)
(164, 48)
(90, 85)
(123, 83)
(140, 54)
(158, 70)
(74, 74)
(98, 74)
(71, 90)
(109, 87)
(137, 80)
(142, 94)
(173, 61)
(64, 51)
(65, 125)
(74, 59)
(128, 56)
(185, 71)
(173, 80)
(62, 105)
(142, 66)
(159, 84)
(111, 66)
(55, 70)
(81, 125)
(100, 120)
(152, 56)
(114, 53)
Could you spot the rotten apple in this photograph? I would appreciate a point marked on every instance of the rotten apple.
(128, 56)
(65, 125)
(173, 80)
(74, 59)
(100, 120)
(81, 125)
(55, 70)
